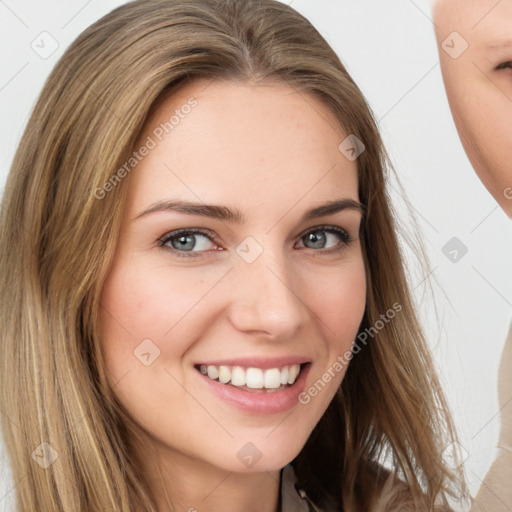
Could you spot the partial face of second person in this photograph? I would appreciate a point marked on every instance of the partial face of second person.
(273, 290)
(477, 69)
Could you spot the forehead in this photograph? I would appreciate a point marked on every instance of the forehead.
(485, 25)
(486, 21)
(245, 141)
(231, 109)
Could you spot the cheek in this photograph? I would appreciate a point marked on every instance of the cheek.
(339, 301)
(141, 302)
(483, 124)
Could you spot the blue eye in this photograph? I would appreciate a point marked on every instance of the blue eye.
(187, 240)
(325, 235)
(194, 242)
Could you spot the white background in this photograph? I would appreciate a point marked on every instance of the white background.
(390, 50)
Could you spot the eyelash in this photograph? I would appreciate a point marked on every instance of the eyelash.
(504, 65)
(344, 236)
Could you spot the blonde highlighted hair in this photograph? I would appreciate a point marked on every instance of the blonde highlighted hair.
(58, 240)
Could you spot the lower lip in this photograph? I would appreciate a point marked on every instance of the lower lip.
(260, 402)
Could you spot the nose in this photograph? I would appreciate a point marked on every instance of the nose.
(266, 297)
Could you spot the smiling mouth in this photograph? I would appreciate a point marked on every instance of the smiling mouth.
(256, 380)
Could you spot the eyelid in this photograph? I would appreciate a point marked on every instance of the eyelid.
(345, 238)
(176, 232)
(504, 65)
(329, 228)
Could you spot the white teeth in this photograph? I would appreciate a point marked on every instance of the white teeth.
(254, 378)
(224, 374)
(213, 372)
(273, 378)
(292, 373)
(238, 376)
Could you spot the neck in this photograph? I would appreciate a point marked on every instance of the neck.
(181, 482)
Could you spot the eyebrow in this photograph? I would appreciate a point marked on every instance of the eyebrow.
(500, 45)
(236, 216)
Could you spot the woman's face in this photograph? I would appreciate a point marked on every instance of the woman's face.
(475, 49)
(261, 284)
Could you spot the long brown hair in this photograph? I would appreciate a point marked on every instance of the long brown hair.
(58, 240)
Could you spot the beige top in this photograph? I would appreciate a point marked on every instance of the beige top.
(495, 493)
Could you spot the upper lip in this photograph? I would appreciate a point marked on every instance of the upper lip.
(258, 362)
